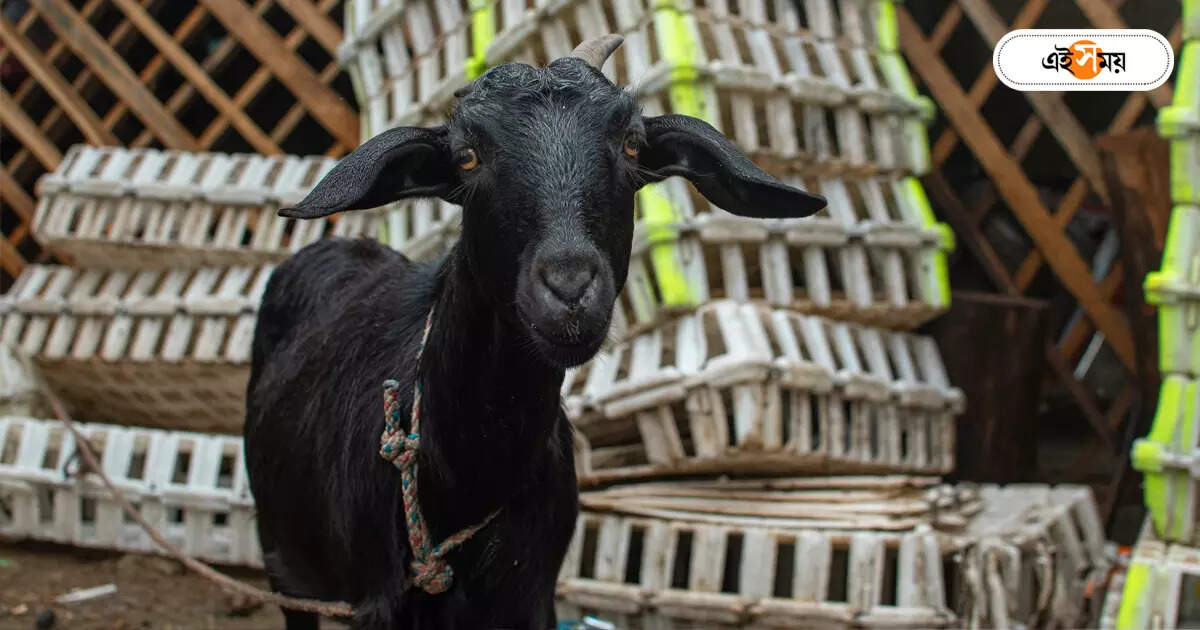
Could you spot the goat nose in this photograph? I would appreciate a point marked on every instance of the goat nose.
(567, 280)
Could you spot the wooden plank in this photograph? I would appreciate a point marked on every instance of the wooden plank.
(1103, 15)
(56, 86)
(314, 20)
(266, 45)
(10, 259)
(945, 27)
(993, 440)
(1020, 194)
(13, 117)
(196, 75)
(111, 69)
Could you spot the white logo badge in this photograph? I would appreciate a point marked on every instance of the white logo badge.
(1105, 60)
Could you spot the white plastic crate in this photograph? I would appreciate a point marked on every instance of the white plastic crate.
(1032, 545)
(722, 573)
(733, 387)
(800, 89)
(122, 208)
(164, 348)
(727, 563)
(191, 487)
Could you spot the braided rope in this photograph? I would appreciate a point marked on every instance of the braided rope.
(431, 572)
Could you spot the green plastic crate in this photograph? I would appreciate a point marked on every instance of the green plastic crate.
(1175, 289)
(1180, 124)
(1191, 19)
(1168, 456)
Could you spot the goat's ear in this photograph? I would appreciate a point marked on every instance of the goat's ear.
(682, 145)
(398, 163)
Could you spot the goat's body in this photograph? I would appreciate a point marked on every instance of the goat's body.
(337, 320)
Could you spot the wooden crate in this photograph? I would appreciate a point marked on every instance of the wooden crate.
(162, 348)
(118, 208)
(724, 562)
(738, 387)
(191, 487)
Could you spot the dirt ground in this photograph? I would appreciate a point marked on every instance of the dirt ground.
(152, 593)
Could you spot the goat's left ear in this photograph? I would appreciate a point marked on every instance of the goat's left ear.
(687, 146)
(398, 163)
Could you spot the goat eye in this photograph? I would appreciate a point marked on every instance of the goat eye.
(631, 146)
(467, 159)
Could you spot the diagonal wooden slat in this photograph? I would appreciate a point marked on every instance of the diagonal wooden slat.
(315, 22)
(95, 52)
(1018, 192)
(987, 80)
(19, 200)
(945, 27)
(56, 85)
(192, 71)
(259, 39)
(14, 118)
(10, 259)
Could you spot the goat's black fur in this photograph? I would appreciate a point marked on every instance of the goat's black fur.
(553, 191)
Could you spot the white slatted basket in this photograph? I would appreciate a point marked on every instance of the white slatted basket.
(800, 89)
(640, 572)
(122, 208)
(163, 348)
(1032, 556)
(755, 64)
(716, 565)
(1160, 586)
(191, 487)
(856, 261)
(734, 387)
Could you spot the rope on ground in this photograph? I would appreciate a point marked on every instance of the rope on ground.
(226, 583)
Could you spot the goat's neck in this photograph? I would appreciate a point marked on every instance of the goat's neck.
(490, 405)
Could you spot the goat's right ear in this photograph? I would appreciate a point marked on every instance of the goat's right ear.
(398, 163)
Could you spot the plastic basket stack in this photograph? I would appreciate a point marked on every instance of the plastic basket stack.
(1169, 457)
(145, 334)
(757, 350)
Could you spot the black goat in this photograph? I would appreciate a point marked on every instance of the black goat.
(545, 162)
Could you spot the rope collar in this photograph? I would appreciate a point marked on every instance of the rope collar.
(431, 573)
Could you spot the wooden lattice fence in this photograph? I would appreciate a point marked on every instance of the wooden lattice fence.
(224, 75)
(1020, 176)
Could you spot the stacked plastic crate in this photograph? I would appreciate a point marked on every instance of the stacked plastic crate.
(1169, 457)
(760, 349)
(753, 348)
(148, 327)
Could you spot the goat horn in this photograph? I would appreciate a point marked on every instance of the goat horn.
(596, 51)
